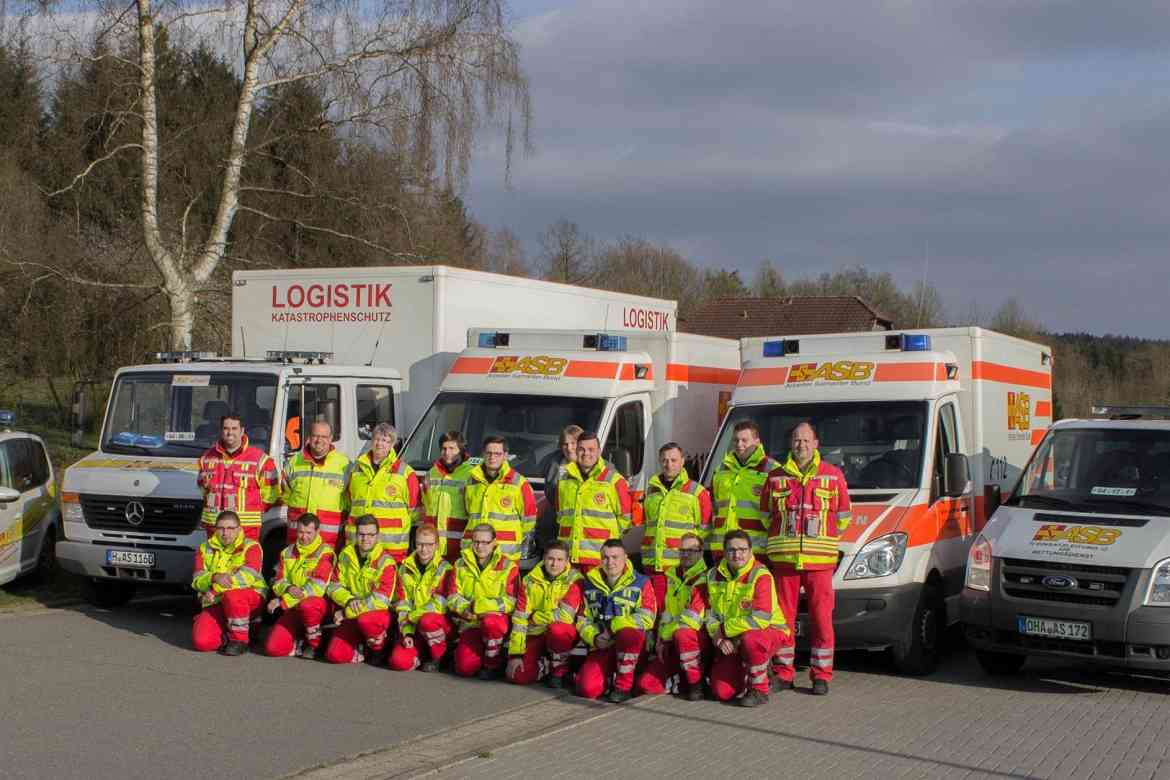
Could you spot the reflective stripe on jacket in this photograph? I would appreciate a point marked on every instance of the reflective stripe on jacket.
(506, 503)
(809, 509)
(308, 568)
(543, 602)
(370, 581)
(591, 509)
(682, 608)
(243, 559)
(483, 591)
(246, 483)
(735, 603)
(318, 487)
(669, 512)
(630, 603)
(736, 489)
(421, 590)
(390, 493)
(444, 504)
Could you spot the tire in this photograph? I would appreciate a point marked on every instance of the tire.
(1000, 664)
(108, 593)
(919, 655)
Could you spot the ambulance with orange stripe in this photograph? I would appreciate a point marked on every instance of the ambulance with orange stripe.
(928, 426)
(637, 390)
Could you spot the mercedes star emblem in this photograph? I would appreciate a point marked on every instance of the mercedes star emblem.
(135, 513)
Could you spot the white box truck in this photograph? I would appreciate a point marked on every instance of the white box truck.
(130, 510)
(928, 426)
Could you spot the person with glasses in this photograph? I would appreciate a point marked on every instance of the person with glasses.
(744, 621)
(545, 620)
(363, 590)
(424, 582)
(500, 496)
(230, 586)
(315, 482)
(383, 485)
(484, 597)
(302, 575)
(682, 647)
(443, 495)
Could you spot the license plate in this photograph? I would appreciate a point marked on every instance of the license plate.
(130, 558)
(1055, 629)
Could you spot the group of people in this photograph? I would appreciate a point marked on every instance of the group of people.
(586, 613)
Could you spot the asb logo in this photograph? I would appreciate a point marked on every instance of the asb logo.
(1076, 534)
(391, 491)
(835, 371)
(505, 502)
(1019, 411)
(532, 365)
(599, 499)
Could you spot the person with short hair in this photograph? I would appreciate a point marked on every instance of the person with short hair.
(500, 496)
(425, 580)
(302, 575)
(383, 485)
(315, 482)
(674, 505)
(234, 476)
(363, 590)
(443, 495)
(566, 454)
(618, 611)
(735, 488)
(230, 585)
(593, 504)
(544, 622)
(744, 621)
(682, 646)
(484, 597)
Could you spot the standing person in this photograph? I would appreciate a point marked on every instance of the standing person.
(683, 646)
(737, 485)
(500, 496)
(381, 484)
(302, 575)
(547, 529)
(315, 483)
(744, 621)
(424, 582)
(808, 502)
(675, 505)
(236, 477)
(230, 587)
(363, 589)
(443, 497)
(593, 504)
(618, 611)
(484, 596)
(545, 619)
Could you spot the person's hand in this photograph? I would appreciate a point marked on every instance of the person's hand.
(338, 616)
(352, 606)
(295, 592)
(726, 646)
(515, 666)
(408, 642)
(273, 605)
(603, 641)
(222, 580)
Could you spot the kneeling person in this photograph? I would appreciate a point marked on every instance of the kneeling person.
(302, 574)
(683, 645)
(364, 589)
(424, 582)
(544, 620)
(483, 598)
(230, 587)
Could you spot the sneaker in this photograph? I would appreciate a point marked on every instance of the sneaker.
(234, 647)
(691, 693)
(308, 652)
(820, 688)
(753, 698)
(617, 696)
(554, 682)
(375, 658)
(489, 674)
(776, 685)
(429, 666)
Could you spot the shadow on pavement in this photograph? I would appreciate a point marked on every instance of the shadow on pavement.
(164, 618)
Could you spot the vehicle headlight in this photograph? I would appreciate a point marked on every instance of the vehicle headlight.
(880, 558)
(979, 565)
(1159, 595)
(71, 508)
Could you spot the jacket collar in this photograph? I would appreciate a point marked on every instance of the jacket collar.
(568, 575)
(574, 470)
(442, 467)
(793, 470)
(311, 548)
(755, 459)
(725, 570)
(215, 544)
(244, 444)
(309, 456)
(469, 558)
(367, 459)
(479, 475)
(679, 481)
(597, 577)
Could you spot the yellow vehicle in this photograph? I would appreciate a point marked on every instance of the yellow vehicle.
(28, 507)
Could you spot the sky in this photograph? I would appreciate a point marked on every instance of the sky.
(995, 147)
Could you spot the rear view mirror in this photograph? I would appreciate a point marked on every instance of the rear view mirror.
(958, 474)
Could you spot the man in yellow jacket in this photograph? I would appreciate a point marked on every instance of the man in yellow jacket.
(302, 575)
(383, 485)
(315, 482)
(593, 504)
(736, 487)
(424, 582)
(544, 620)
(484, 596)
(363, 591)
(230, 586)
(500, 496)
(682, 647)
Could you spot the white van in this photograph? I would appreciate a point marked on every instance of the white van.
(28, 508)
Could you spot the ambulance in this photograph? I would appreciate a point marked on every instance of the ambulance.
(1076, 562)
(928, 426)
(637, 390)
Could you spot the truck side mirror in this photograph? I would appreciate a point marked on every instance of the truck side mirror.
(958, 474)
(992, 498)
(621, 460)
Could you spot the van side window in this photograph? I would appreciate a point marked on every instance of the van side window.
(311, 402)
(947, 443)
(375, 404)
(18, 453)
(40, 463)
(627, 434)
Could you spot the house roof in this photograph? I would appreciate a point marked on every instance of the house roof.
(735, 318)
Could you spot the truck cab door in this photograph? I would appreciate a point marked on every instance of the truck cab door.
(306, 400)
(11, 512)
(625, 441)
(951, 513)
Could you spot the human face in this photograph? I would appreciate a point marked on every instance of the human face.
(306, 533)
(424, 547)
(613, 562)
(367, 537)
(320, 439)
(745, 443)
(493, 457)
(738, 554)
(231, 435)
(671, 462)
(555, 562)
(380, 447)
(588, 453)
(483, 545)
(227, 530)
(569, 450)
(450, 453)
(803, 444)
(689, 553)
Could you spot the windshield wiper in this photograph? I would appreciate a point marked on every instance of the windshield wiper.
(128, 449)
(1050, 500)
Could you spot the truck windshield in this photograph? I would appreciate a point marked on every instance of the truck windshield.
(1123, 471)
(178, 414)
(531, 424)
(877, 445)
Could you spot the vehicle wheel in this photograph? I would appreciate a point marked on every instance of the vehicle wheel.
(919, 655)
(108, 593)
(272, 545)
(46, 567)
(1000, 664)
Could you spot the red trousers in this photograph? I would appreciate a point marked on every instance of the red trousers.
(558, 640)
(303, 620)
(733, 674)
(231, 616)
(616, 662)
(481, 646)
(818, 589)
(368, 628)
(658, 582)
(686, 655)
(433, 631)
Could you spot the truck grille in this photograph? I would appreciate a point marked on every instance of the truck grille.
(1101, 586)
(159, 515)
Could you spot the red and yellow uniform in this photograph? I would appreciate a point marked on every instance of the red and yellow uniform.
(390, 493)
(317, 486)
(669, 512)
(309, 568)
(246, 482)
(227, 609)
(482, 600)
(421, 604)
(506, 503)
(545, 620)
(591, 508)
(736, 488)
(364, 588)
(680, 629)
(444, 505)
(625, 612)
